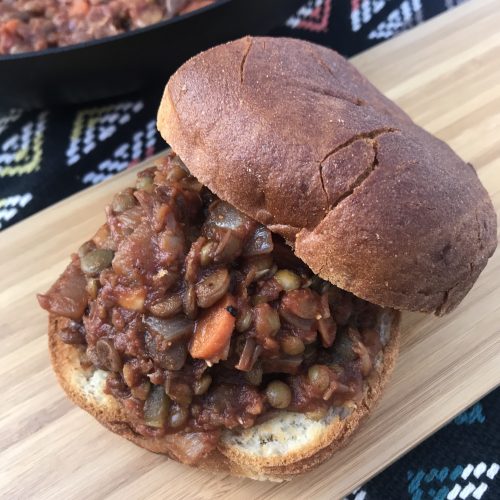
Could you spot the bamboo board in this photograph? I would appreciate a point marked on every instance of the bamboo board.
(446, 74)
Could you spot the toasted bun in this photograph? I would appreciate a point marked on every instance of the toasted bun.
(291, 134)
(278, 449)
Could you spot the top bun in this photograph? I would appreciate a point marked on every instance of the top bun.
(292, 135)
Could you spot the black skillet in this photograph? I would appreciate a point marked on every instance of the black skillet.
(127, 62)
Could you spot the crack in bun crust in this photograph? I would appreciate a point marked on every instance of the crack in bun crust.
(291, 134)
(84, 388)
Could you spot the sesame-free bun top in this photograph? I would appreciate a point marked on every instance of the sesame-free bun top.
(291, 134)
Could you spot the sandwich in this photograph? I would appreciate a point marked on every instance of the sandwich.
(239, 309)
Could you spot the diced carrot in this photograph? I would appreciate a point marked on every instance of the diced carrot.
(195, 5)
(102, 238)
(79, 8)
(11, 25)
(132, 298)
(212, 333)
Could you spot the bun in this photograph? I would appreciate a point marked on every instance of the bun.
(278, 449)
(291, 134)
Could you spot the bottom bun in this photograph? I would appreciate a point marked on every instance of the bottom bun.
(280, 448)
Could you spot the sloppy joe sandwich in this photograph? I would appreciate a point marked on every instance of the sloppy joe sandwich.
(239, 308)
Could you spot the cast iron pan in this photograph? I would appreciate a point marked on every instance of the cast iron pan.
(127, 62)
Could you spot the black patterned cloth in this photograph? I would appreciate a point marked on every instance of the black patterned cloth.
(47, 155)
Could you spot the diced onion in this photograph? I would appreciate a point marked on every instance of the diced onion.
(260, 242)
(170, 329)
(225, 216)
(156, 407)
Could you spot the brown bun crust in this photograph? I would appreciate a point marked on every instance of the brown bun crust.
(291, 134)
(226, 458)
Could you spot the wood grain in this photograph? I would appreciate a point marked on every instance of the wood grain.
(446, 74)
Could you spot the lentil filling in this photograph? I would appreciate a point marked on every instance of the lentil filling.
(30, 25)
(204, 320)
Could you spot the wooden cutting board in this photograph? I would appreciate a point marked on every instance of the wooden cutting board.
(446, 74)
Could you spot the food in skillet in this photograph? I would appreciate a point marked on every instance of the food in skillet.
(31, 25)
(238, 309)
